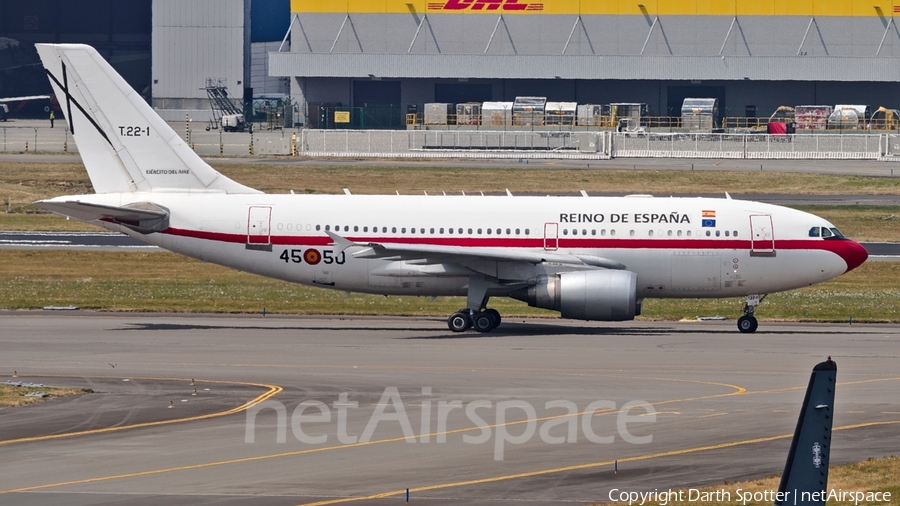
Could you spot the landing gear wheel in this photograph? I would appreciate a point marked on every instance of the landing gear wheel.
(459, 322)
(484, 322)
(496, 315)
(747, 324)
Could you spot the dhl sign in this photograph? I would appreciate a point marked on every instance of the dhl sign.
(485, 5)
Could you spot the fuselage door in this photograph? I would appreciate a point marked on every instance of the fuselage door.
(551, 236)
(258, 228)
(762, 237)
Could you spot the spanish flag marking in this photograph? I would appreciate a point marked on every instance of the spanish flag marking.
(709, 214)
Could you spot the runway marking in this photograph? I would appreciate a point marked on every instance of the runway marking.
(712, 415)
(598, 413)
(273, 389)
(578, 467)
(738, 390)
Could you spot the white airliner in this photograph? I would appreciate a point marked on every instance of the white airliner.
(591, 258)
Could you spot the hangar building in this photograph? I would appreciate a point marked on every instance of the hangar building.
(762, 53)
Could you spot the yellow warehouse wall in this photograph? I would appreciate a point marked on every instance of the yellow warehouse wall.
(608, 7)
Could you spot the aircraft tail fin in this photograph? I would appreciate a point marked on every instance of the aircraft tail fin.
(125, 145)
(806, 469)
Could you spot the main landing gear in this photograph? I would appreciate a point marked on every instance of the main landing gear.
(485, 320)
(747, 324)
(475, 315)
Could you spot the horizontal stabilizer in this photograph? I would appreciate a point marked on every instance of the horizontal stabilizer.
(143, 217)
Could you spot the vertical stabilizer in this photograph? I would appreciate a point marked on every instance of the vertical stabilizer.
(806, 471)
(125, 145)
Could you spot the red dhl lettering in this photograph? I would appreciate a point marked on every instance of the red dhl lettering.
(485, 5)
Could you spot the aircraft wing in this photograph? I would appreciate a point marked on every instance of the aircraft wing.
(433, 254)
(143, 217)
(23, 99)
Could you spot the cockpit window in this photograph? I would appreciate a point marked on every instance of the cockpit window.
(826, 233)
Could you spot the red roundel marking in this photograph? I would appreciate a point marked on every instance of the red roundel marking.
(312, 256)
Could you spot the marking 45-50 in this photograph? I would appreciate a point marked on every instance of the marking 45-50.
(312, 256)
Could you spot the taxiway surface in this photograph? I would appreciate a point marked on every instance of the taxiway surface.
(725, 405)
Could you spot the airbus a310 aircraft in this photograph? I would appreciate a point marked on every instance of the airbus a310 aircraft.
(590, 258)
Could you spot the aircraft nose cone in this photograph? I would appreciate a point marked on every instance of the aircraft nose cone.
(853, 253)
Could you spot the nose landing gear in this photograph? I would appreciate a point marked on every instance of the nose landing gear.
(747, 324)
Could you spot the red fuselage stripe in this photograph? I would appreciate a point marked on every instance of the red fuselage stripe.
(834, 246)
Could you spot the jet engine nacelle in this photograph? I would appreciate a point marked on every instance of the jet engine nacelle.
(602, 295)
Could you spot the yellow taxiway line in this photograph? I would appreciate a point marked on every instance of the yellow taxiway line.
(272, 390)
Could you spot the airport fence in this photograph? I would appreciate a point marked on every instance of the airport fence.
(751, 146)
(592, 145)
(30, 139)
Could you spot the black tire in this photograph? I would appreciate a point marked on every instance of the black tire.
(484, 322)
(459, 322)
(496, 315)
(747, 324)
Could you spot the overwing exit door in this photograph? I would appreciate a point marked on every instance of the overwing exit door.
(259, 222)
(551, 236)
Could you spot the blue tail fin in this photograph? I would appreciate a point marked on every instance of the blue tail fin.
(805, 474)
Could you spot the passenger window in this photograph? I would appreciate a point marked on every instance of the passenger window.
(355, 228)
(631, 233)
(670, 233)
(565, 231)
(365, 229)
(507, 231)
(603, 231)
(479, 231)
(718, 233)
(517, 231)
(431, 231)
(327, 228)
(726, 233)
(393, 230)
(489, 231)
(583, 232)
(814, 232)
(651, 233)
(384, 230)
(593, 231)
(318, 227)
(470, 231)
(450, 230)
(708, 233)
(346, 228)
(527, 231)
(679, 233)
(734, 234)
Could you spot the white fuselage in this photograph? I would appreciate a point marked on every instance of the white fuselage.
(678, 247)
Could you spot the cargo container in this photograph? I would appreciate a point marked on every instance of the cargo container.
(560, 113)
(699, 113)
(529, 111)
(496, 114)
